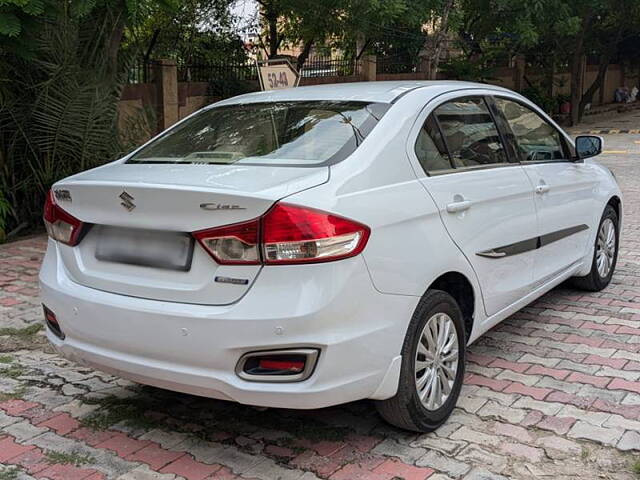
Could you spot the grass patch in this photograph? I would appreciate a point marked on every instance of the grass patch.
(76, 459)
(13, 371)
(9, 473)
(17, 394)
(635, 468)
(6, 359)
(21, 332)
(115, 410)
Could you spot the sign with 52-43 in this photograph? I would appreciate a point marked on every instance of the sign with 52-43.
(277, 74)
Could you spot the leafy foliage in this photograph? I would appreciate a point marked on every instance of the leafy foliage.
(74, 458)
(462, 69)
(5, 211)
(193, 31)
(386, 26)
(58, 106)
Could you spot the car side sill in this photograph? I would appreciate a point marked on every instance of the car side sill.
(493, 320)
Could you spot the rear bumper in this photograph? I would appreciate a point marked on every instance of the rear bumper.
(195, 348)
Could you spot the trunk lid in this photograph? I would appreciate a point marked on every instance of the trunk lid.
(140, 214)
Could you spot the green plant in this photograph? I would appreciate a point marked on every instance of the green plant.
(58, 105)
(544, 101)
(136, 127)
(22, 332)
(115, 410)
(13, 371)
(229, 86)
(9, 473)
(464, 69)
(18, 393)
(5, 211)
(73, 458)
(635, 468)
(6, 359)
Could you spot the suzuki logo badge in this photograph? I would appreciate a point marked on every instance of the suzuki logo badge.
(127, 201)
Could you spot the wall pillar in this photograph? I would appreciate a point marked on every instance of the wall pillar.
(519, 66)
(167, 84)
(368, 67)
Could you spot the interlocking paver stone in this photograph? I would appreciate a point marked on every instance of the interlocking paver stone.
(630, 441)
(608, 436)
(555, 380)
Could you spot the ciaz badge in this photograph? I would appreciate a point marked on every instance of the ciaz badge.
(220, 206)
(62, 195)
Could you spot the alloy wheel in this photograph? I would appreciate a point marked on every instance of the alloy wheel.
(606, 247)
(436, 362)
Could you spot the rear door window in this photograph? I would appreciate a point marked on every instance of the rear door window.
(470, 133)
(430, 148)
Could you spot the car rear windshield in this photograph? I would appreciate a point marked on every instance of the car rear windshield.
(304, 133)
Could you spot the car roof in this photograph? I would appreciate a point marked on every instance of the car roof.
(384, 91)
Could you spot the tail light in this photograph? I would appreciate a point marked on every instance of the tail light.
(294, 234)
(286, 234)
(60, 225)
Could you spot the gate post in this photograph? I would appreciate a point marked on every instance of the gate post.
(369, 66)
(166, 76)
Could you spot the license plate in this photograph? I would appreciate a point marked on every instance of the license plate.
(149, 248)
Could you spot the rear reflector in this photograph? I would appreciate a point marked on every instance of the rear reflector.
(60, 225)
(286, 234)
(292, 365)
(52, 323)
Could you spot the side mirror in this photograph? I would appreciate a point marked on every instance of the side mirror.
(588, 146)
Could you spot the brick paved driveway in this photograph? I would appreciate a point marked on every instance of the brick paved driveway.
(554, 392)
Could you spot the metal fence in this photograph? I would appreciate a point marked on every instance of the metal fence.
(210, 72)
(143, 71)
(328, 67)
(396, 64)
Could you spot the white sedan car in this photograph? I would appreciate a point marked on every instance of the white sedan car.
(319, 245)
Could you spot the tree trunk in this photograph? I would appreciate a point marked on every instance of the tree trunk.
(440, 35)
(306, 50)
(270, 13)
(272, 18)
(550, 77)
(603, 67)
(597, 83)
(577, 74)
(577, 70)
(114, 41)
(152, 44)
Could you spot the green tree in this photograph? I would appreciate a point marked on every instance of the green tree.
(379, 25)
(58, 102)
(551, 33)
(19, 22)
(197, 30)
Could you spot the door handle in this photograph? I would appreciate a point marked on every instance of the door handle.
(460, 206)
(542, 188)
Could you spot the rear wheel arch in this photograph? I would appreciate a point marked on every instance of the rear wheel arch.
(616, 203)
(461, 289)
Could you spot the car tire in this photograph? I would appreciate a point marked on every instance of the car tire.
(598, 278)
(406, 410)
